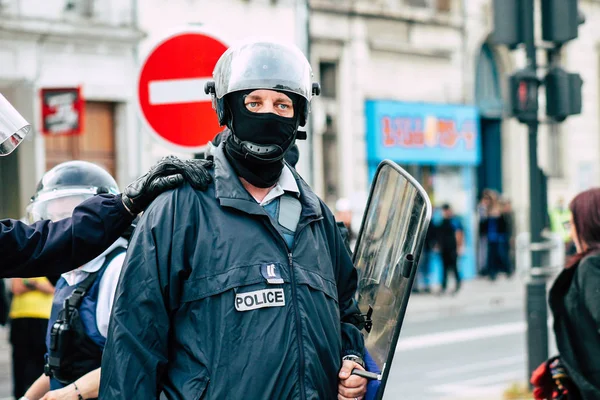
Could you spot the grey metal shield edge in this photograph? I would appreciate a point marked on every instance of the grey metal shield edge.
(387, 253)
(13, 127)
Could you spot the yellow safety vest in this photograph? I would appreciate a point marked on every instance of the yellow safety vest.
(560, 223)
(32, 304)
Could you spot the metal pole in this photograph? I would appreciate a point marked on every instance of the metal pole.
(537, 326)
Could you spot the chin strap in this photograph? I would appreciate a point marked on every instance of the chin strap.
(258, 151)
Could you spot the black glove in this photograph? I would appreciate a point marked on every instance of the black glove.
(167, 174)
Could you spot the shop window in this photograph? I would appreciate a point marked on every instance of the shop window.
(95, 144)
(328, 79)
(330, 161)
(555, 148)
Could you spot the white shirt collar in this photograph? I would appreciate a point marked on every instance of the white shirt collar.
(77, 275)
(286, 183)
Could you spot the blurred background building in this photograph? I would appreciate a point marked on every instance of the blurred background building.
(415, 81)
(53, 44)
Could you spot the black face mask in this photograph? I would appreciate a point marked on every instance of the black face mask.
(259, 141)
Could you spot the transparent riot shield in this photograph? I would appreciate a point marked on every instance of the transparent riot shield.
(13, 127)
(387, 253)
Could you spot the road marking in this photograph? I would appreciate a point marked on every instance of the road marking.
(479, 385)
(174, 91)
(478, 366)
(460, 335)
(434, 314)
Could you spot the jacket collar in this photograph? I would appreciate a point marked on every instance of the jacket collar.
(230, 192)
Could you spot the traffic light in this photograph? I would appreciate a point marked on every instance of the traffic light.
(524, 95)
(560, 20)
(508, 22)
(563, 93)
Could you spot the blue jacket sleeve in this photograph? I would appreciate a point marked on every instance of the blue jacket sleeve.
(50, 248)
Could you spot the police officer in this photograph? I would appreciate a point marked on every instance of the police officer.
(83, 297)
(245, 290)
(48, 248)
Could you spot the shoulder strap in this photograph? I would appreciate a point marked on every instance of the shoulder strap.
(76, 297)
(290, 209)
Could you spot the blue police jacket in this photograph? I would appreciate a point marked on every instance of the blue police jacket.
(212, 304)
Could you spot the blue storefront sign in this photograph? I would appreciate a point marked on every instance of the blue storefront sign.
(445, 140)
(422, 134)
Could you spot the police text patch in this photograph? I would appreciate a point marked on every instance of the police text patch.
(259, 299)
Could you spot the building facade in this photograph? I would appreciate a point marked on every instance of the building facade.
(568, 152)
(416, 58)
(394, 87)
(68, 44)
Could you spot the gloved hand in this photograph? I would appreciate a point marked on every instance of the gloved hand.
(167, 174)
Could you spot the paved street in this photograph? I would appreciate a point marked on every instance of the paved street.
(469, 346)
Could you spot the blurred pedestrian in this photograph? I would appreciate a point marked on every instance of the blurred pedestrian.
(488, 197)
(343, 215)
(508, 242)
(450, 241)
(423, 284)
(495, 229)
(560, 220)
(575, 301)
(29, 313)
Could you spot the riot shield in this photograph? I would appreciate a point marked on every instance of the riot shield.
(387, 253)
(13, 127)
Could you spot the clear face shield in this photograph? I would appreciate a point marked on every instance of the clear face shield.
(13, 127)
(263, 65)
(58, 204)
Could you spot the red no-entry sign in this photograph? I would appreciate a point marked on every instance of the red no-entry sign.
(171, 89)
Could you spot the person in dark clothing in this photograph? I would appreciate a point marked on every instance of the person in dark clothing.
(497, 230)
(450, 242)
(423, 272)
(575, 300)
(248, 288)
(48, 248)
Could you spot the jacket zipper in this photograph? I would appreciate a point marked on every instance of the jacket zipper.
(300, 228)
(298, 327)
(301, 371)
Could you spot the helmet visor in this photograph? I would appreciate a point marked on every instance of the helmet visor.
(263, 65)
(57, 205)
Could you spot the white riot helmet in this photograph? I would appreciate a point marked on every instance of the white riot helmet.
(67, 185)
(262, 64)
